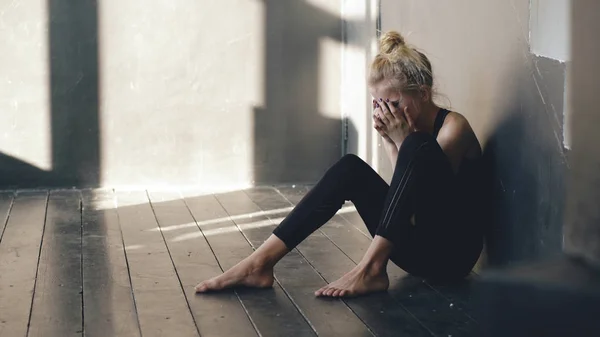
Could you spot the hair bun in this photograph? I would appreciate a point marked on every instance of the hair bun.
(390, 41)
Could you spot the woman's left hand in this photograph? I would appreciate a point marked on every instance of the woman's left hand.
(397, 124)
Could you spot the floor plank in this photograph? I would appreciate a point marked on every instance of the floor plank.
(270, 309)
(432, 309)
(299, 279)
(220, 314)
(459, 294)
(19, 257)
(160, 301)
(57, 304)
(109, 308)
(6, 202)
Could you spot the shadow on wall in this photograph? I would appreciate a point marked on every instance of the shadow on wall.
(293, 141)
(526, 164)
(73, 44)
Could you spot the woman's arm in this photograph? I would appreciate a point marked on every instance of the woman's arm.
(392, 151)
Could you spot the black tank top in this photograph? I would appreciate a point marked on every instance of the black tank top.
(439, 121)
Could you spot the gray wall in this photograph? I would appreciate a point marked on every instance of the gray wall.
(209, 94)
(513, 98)
(582, 225)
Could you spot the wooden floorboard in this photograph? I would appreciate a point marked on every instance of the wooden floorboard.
(57, 304)
(19, 257)
(272, 312)
(436, 312)
(459, 294)
(6, 202)
(130, 270)
(432, 309)
(109, 308)
(380, 311)
(160, 301)
(219, 314)
(330, 317)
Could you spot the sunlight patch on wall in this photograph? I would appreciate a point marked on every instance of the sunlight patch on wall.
(178, 99)
(329, 78)
(359, 33)
(24, 83)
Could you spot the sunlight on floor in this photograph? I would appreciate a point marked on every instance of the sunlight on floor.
(343, 210)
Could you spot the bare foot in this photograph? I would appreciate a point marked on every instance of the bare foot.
(359, 281)
(246, 273)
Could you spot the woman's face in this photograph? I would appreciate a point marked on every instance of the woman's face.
(400, 100)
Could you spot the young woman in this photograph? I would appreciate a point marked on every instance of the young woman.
(426, 221)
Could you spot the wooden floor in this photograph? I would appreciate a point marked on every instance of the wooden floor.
(105, 263)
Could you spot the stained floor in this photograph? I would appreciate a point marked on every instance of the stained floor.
(104, 263)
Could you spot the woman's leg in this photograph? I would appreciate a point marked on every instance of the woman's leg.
(255, 271)
(349, 179)
(420, 212)
(413, 213)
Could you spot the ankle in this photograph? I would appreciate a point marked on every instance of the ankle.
(260, 262)
(374, 267)
(268, 254)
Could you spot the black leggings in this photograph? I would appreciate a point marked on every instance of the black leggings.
(421, 212)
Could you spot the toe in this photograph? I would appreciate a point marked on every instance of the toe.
(200, 288)
(320, 291)
(337, 292)
(330, 291)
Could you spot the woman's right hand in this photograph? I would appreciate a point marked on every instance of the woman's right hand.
(396, 123)
(379, 126)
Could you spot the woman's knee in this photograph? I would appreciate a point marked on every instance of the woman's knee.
(416, 140)
(351, 161)
(349, 167)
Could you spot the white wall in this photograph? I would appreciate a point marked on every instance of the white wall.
(550, 28)
(178, 93)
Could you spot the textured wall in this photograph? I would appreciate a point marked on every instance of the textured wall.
(216, 94)
(514, 101)
(582, 230)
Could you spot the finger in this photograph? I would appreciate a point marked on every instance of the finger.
(386, 117)
(392, 108)
(377, 112)
(392, 118)
(409, 120)
(377, 121)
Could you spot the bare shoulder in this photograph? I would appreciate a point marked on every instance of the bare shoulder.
(457, 122)
(456, 128)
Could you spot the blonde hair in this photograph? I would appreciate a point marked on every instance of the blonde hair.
(403, 67)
